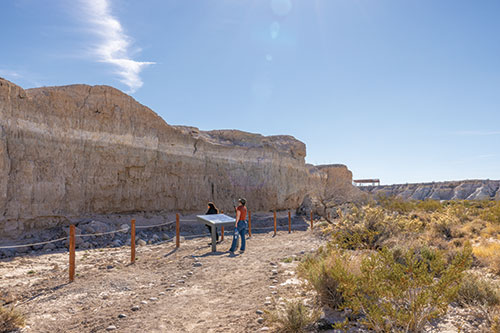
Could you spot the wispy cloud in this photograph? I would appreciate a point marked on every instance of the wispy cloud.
(113, 46)
(478, 133)
(10, 74)
(486, 156)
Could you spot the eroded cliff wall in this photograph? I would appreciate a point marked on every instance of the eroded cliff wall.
(73, 150)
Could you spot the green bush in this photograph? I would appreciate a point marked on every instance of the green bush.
(396, 204)
(492, 213)
(393, 291)
(365, 228)
(429, 205)
(323, 274)
(295, 318)
(396, 295)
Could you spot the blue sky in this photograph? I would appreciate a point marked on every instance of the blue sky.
(404, 91)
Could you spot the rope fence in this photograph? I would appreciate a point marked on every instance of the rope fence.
(72, 235)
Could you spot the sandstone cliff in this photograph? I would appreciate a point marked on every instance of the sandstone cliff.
(74, 150)
(453, 190)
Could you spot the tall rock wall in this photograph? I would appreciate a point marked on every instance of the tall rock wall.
(75, 150)
(453, 190)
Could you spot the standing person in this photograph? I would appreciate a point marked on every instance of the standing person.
(240, 227)
(212, 210)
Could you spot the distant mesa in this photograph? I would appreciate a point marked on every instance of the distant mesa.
(451, 190)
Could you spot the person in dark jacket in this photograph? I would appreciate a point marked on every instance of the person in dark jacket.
(212, 210)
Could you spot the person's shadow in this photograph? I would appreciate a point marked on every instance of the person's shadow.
(217, 253)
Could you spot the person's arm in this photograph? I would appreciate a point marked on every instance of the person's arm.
(238, 213)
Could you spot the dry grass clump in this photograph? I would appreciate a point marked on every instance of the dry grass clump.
(495, 321)
(489, 255)
(294, 318)
(475, 290)
(10, 319)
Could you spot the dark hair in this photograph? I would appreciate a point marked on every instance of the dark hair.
(243, 201)
(211, 205)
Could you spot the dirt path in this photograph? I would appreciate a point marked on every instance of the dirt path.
(188, 290)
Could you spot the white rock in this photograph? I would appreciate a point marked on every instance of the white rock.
(111, 328)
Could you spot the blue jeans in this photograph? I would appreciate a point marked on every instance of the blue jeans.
(240, 231)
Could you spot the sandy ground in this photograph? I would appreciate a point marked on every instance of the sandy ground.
(185, 290)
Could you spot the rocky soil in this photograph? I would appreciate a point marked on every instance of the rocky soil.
(167, 290)
(189, 289)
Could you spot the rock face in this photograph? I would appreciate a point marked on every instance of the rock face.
(75, 150)
(454, 190)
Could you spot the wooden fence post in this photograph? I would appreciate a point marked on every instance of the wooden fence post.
(177, 231)
(289, 222)
(71, 253)
(132, 241)
(221, 229)
(312, 221)
(249, 223)
(274, 223)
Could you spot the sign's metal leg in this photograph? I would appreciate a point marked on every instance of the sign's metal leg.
(214, 238)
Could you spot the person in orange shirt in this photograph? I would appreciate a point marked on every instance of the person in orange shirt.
(240, 227)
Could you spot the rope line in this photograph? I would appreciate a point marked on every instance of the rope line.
(33, 244)
(103, 233)
(154, 225)
(137, 227)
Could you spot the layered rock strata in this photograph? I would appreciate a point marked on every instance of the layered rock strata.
(75, 150)
(453, 190)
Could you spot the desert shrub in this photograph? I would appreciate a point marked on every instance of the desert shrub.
(477, 291)
(324, 273)
(492, 213)
(366, 228)
(10, 319)
(488, 255)
(445, 226)
(398, 290)
(295, 318)
(395, 204)
(473, 228)
(490, 230)
(403, 292)
(429, 205)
